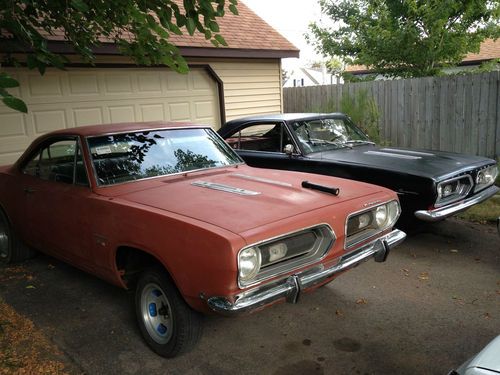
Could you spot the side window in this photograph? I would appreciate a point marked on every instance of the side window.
(260, 137)
(60, 161)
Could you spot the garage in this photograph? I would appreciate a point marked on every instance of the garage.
(83, 96)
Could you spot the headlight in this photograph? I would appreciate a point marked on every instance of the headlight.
(249, 261)
(271, 257)
(453, 190)
(363, 225)
(486, 177)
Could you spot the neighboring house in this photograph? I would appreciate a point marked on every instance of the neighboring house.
(489, 50)
(300, 77)
(223, 83)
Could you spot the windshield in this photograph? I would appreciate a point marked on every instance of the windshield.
(325, 134)
(131, 156)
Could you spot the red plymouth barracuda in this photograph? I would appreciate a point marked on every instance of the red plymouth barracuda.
(170, 210)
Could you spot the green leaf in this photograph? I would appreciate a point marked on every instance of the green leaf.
(173, 28)
(233, 9)
(220, 40)
(15, 103)
(80, 5)
(7, 81)
(213, 26)
(208, 34)
(190, 26)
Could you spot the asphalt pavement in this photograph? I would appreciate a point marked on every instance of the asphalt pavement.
(432, 305)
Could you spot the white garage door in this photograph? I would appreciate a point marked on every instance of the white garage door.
(86, 96)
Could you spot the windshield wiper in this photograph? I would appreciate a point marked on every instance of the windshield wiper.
(324, 141)
(359, 142)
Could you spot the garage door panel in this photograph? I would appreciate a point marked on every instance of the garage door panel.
(118, 83)
(88, 116)
(152, 112)
(149, 83)
(12, 124)
(88, 96)
(122, 113)
(50, 84)
(46, 121)
(83, 84)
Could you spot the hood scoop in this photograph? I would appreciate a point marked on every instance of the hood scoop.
(223, 187)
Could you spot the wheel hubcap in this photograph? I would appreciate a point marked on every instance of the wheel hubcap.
(156, 313)
(4, 239)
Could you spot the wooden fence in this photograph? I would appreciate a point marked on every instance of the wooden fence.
(459, 113)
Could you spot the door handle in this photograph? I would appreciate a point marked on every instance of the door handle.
(29, 190)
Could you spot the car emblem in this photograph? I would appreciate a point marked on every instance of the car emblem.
(372, 203)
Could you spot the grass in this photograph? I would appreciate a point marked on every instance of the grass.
(486, 212)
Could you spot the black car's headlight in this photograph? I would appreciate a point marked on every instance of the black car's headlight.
(272, 257)
(486, 177)
(453, 190)
(366, 224)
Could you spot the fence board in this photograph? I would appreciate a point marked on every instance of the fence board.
(454, 113)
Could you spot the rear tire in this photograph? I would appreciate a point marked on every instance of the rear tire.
(12, 249)
(169, 326)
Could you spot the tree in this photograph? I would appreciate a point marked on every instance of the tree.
(140, 29)
(406, 38)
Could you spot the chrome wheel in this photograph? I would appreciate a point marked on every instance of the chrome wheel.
(156, 313)
(4, 238)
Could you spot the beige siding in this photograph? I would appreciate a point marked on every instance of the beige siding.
(251, 86)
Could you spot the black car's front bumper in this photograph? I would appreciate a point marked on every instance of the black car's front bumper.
(291, 287)
(446, 211)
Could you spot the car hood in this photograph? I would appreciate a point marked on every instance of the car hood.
(432, 164)
(239, 199)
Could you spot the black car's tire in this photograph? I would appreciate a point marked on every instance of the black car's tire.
(12, 249)
(169, 326)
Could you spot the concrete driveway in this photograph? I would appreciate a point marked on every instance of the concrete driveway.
(433, 304)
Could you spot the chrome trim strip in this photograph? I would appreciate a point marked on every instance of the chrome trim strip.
(444, 212)
(407, 152)
(225, 188)
(289, 288)
(261, 179)
(388, 154)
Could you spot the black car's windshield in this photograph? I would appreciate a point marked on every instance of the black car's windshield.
(325, 134)
(131, 156)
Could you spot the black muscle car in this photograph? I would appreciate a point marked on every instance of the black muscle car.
(431, 185)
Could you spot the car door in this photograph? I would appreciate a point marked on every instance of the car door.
(263, 145)
(56, 191)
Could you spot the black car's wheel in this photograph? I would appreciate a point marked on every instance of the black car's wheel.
(169, 326)
(11, 247)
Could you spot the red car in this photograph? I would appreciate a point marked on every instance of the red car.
(171, 210)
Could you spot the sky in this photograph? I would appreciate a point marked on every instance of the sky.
(291, 18)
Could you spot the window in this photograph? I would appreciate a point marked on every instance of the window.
(261, 137)
(59, 161)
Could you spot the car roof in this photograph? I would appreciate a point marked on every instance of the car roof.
(102, 129)
(283, 117)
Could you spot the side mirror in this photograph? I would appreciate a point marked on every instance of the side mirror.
(288, 149)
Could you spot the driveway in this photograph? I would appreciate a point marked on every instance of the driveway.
(433, 304)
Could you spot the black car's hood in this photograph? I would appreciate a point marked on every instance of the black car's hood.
(433, 164)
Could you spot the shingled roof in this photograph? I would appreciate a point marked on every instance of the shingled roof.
(246, 34)
(489, 50)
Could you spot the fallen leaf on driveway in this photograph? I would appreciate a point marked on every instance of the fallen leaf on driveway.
(453, 251)
(30, 287)
(424, 276)
(487, 316)
(361, 301)
(339, 312)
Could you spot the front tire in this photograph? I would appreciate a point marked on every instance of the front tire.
(12, 249)
(169, 326)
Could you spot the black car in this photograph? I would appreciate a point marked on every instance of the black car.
(431, 185)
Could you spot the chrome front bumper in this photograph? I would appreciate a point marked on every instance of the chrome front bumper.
(443, 212)
(290, 288)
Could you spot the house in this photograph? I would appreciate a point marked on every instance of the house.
(489, 50)
(223, 83)
(300, 77)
